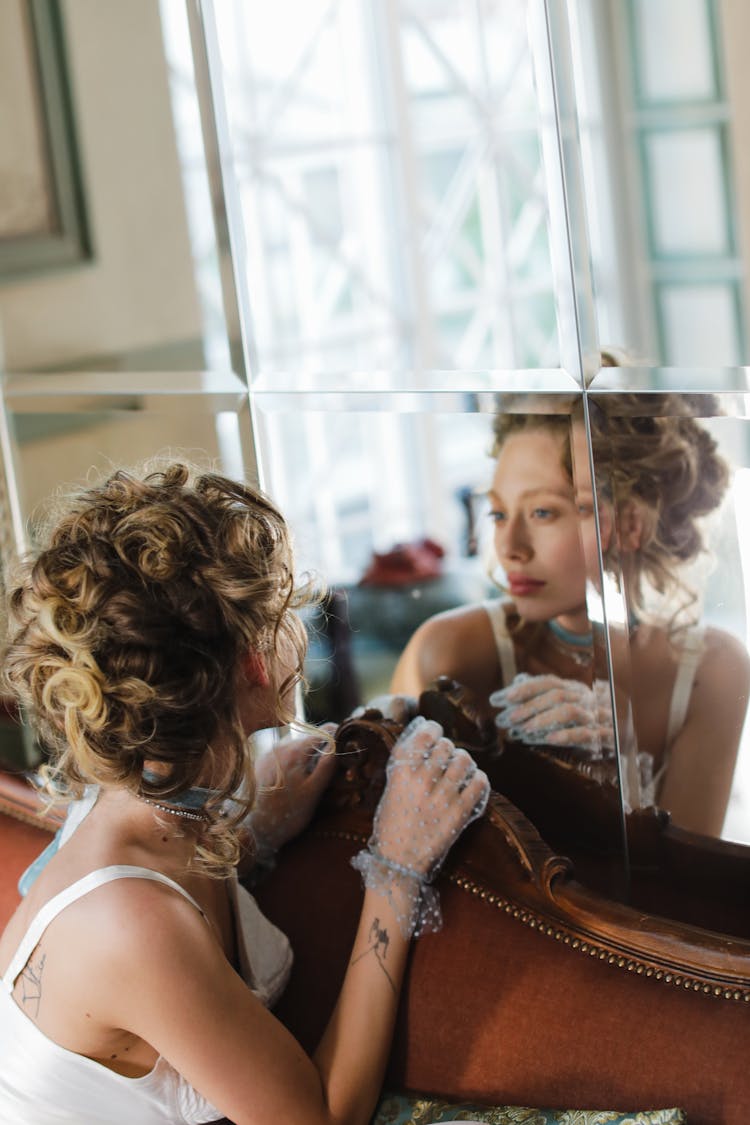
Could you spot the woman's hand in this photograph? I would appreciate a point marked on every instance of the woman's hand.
(433, 791)
(401, 708)
(550, 711)
(290, 781)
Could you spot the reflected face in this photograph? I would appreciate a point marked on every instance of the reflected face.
(544, 533)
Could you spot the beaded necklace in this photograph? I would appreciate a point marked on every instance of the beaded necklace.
(578, 647)
(190, 805)
(186, 813)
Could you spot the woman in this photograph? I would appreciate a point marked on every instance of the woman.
(151, 634)
(688, 687)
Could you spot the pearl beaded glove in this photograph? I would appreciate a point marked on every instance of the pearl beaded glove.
(550, 711)
(433, 791)
(401, 708)
(291, 778)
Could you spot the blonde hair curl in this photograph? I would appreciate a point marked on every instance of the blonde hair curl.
(650, 450)
(125, 631)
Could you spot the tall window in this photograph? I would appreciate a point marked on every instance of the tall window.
(389, 167)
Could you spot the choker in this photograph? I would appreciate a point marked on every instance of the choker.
(578, 647)
(190, 804)
(181, 812)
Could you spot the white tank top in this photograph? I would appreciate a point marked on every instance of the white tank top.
(42, 1083)
(495, 610)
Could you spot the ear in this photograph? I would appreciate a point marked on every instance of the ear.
(630, 526)
(255, 670)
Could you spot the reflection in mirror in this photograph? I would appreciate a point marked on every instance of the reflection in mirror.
(668, 482)
(663, 120)
(480, 602)
(532, 659)
(355, 485)
(409, 614)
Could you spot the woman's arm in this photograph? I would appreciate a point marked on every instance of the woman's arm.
(702, 760)
(184, 999)
(358, 1037)
(179, 994)
(458, 643)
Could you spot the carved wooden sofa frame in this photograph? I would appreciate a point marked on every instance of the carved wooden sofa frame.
(538, 991)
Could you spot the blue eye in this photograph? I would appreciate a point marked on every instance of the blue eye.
(497, 516)
(543, 513)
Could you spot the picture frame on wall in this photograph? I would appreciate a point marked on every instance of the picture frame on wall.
(43, 222)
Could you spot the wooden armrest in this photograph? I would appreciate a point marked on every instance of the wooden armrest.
(21, 799)
(505, 860)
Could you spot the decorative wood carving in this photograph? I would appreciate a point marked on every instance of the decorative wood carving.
(682, 875)
(505, 861)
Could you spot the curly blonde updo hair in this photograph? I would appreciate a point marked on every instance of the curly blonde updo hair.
(126, 629)
(507, 424)
(651, 450)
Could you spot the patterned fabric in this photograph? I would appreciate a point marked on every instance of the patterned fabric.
(398, 1109)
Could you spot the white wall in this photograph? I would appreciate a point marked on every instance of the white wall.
(138, 291)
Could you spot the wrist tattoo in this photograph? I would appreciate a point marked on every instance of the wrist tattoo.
(31, 986)
(377, 945)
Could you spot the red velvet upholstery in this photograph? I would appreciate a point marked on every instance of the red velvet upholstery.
(21, 841)
(497, 1012)
(492, 1009)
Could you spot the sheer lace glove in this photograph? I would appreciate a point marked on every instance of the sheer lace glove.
(433, 790)
(402, 708)
(549, 711)
(290, 781)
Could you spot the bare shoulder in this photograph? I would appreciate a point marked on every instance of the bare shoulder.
(458, 643)
(465, 622)
(130, 929)
(724, 666)
(155, 970)
(702, 760)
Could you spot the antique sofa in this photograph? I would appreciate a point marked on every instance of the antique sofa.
(538, 991)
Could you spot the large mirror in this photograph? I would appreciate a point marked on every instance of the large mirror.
(472, 203)
(466, 254)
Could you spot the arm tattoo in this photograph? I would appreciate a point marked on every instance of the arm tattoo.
(31, 986)
(377, 944)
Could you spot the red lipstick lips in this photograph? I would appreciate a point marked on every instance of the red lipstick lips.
(520, 585)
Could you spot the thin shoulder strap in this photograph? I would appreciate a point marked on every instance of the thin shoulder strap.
(690, 657)
(495, 610)
(71, 894)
